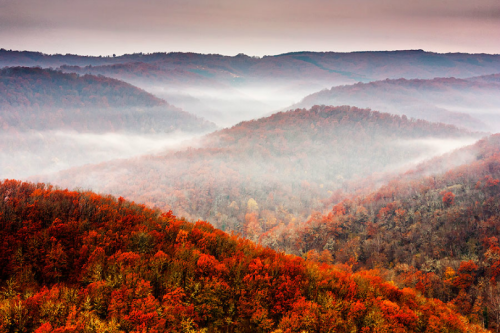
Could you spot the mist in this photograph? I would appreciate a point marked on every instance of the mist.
(228, 105)
(432, 147)
(468, 103)
(133, 127)
(29, 154)
(288, 165)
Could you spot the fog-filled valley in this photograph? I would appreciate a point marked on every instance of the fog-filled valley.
(136, 126)
(324, 184)
(52, 121)
(273, 170)
(227, 90)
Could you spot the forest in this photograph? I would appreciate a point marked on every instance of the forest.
(299, 192)
(273, 170)
(81, 262)
(45, 99)
(438, 234)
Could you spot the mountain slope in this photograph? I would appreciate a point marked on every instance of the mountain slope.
(78, 261)
(35, 88)
(277, 169)
(439, 233)
(52, 121)
(461, 102)
(44, 99)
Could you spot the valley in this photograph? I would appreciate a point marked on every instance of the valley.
(306, 191)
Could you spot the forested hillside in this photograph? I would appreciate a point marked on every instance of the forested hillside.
(471, 103)
(80, 262)
(259, 174)
(44, 99)
(437, 232)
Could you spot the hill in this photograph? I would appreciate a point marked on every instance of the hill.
(470, 103)
(45, 99)
(228, 90)
(258, 174)
(77, 261)
(436, 232)
(52, 120)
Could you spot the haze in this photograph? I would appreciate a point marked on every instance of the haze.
(256, 27)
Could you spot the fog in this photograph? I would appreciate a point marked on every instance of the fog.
(289, 165)
(28, 154)
(465, 103)
(229, 105)
(208, 184)
(432, 147)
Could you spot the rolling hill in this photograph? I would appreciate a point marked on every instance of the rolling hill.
(470, 103)
(52, 121)
(258, 174)
(44, 99)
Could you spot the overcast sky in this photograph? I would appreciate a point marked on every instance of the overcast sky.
(254, 27)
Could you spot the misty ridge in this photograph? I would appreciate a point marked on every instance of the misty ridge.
(227, 90)
(52, 121)
(275, 170)
(472, 103)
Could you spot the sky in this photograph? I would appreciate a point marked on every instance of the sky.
(253, 27)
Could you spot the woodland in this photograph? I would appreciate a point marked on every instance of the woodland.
(302, 192)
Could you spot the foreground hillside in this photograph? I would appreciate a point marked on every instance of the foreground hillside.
(436, 232)
(274, 170)
(80, 262)
(471, 103)
(44, 99)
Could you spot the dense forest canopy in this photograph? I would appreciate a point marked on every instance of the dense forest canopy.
(342, 219)
(80, 262)
(435, 232)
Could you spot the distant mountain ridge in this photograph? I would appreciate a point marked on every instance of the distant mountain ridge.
(227, 90)
(437, 99)
(368, 66)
